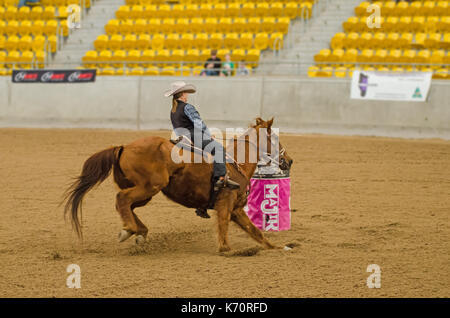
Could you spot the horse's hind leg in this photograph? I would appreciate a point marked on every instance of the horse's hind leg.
(240, 218)
(125, 200)
(142, 230)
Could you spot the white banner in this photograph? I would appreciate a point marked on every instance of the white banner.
(412, 87)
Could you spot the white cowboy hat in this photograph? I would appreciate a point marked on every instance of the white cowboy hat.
(178, 87)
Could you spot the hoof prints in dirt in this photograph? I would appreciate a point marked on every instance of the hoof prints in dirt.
(243, 252)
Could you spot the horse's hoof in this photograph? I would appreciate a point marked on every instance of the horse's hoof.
(124, 235)
(287, 248)
(140, 239)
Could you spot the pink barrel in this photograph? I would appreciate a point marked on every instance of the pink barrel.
(268, 205)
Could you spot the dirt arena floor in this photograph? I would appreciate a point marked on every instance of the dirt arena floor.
(357, 201)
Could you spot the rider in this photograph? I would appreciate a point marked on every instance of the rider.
(184, 115)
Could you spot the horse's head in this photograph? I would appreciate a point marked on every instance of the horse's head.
(271, 149)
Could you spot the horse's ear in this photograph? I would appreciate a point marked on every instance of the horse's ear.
(259, 121)
(270, 122)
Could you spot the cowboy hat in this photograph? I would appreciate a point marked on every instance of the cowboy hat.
(178, 87)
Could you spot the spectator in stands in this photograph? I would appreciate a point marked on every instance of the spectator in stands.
(242, 69)
(216, 61)
(27, 2)
(209, 70)
(228, 66)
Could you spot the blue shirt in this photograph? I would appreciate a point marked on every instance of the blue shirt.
(194, 116)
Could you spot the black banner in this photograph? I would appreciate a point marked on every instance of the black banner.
(54, 76)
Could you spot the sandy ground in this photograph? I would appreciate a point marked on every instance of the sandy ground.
(358, 201)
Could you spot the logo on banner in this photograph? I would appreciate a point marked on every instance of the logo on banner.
(50, 76)
(270, 207)
(363, 84)
(417, 93)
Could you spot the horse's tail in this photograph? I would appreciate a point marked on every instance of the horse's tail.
(95, 170)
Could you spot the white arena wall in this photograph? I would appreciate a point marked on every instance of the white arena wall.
(300, 105)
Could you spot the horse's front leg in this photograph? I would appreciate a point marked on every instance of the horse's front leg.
(223, 220)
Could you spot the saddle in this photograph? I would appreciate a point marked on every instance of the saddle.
(185, 143)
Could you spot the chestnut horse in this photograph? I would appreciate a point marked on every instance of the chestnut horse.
(145, 167)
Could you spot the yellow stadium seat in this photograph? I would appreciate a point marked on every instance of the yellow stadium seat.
(133, 58)
(416, 8)
(183, 71)
(231, 41)
(276, 9)
(12, 43)
(49, 13)
(196, 25)
(340, 72)
(11, 28)
(253, 57)
(204, 10)
(2, 42)
(361, 10)
(417, 24)
(162, 57)
(129, 42)
(139, 26)
(200, 41)
(437, 56)
(191, 10)
(10, 13)
(192, 56)
(444, 24)
(379, 40)
(181, 25)
(380, 56)
(291, 9)
(185, 42)
(351, 25)
(104, 58)
(115, 42)
(178, 11)
(248, 9)
(40, 59)
(403, 9)
(366, 56)
(150, 11)
(12, 59)
(23, 13)
(268, 24)
(403, 24)
(443, 7)
(112, 27)
(392, 40)
(25, 27)
(38, 43)
(253, 25)
(312, 71)
(423, 56)
(246, 40)
(154, 26)
(261, 41)
(429, 8)
(431, 24)
(394, 56)
(101, 42)
(336, 55)
(442, 73)
(210, 25)
(262, 9)
(25, 43)
(136, 12)
(221, 53)
(322, 56)
(282, 25)
(225, 25)
(276, 41)
(197, 70)
(168, 25)
(215, 41)
(391, 24)
(143, 41)
(408, 56)
(118, 58)
(136, 71)
(50, 27)
(233, 9)
(126, 27)
(238, 55)
(36, 13)
(151, 71)
(419, 41)
(89, 59)
(167, 71)
(147, 57)
(337, 42)
(164, 11)
(26, 59)
(325, 72)
(157, 41)
(406, 40)
(172, 41)
(239, 25)
(205, 54)
(352, 40)
(366, 40)
(176, 57)
(219, 10)
(433, 41)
